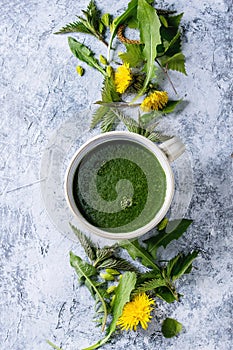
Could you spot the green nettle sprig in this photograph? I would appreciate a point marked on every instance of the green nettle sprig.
(159, 47)
(124, 295)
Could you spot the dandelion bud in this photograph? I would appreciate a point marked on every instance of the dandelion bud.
(80, 70)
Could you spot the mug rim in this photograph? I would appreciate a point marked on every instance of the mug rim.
(127, 136)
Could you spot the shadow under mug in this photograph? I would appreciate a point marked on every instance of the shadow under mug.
(164, 153)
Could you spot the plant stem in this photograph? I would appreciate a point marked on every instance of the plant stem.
(166, 72)
(53, 345)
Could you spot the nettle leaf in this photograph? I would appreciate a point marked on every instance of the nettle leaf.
(117, 263)
(86, 243)
(109, 93)
(176, 62)
(84, 54)
(173, 230)
(182, 265)
(109, 121)
(74, 27)
(171, 327)
(133, 56)
(135, 250)
(149, 25)
(98, 115)
(150, 285)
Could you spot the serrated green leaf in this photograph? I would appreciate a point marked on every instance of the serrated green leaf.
(109, 121)
(117, 263)
(86, 243)
(171, 327)
(83, 53)
(133, 56)
(176, 62)
(74, 27)
(173, 230)
(136, 251)
(98, 115)
(182, 265)
(150, 285)
(149, 26)
(109, 93)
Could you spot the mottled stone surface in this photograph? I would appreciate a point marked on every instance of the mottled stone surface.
(40, 91)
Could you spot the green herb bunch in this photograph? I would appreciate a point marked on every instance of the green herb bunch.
(114, 282)
(159, 47)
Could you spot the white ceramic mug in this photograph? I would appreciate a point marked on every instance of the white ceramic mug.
(165, 153)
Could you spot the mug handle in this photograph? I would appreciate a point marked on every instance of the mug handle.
(173, 148)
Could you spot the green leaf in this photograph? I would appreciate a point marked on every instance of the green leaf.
(83, 53)
(150, 285)
(86, 271)
(174, 46)
(129, 12)
(182, 265)
(122, 296)
(109, 121)
(176, 62)
(149, 25)
(167, 294)
(98, 115)
(74, 27)
(109, 93)
(133, 56)
(135, 250)
(85, 242)
(171, 327)
(93, 15)
(117, 263)
(173, 230)
(174, 21)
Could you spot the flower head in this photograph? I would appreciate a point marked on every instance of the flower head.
(123, 78)
(136, 311)
(155, 101)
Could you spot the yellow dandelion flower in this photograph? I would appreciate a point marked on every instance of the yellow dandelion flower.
(136, 311)
(155, 101)
(123, 78)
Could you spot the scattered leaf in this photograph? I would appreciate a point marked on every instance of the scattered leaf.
(171, 327)
(83, 53)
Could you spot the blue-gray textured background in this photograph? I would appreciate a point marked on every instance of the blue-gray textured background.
(40, 90)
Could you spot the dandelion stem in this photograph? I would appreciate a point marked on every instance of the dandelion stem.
(166, 72)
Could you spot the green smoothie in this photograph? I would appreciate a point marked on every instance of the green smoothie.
(119, 186)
